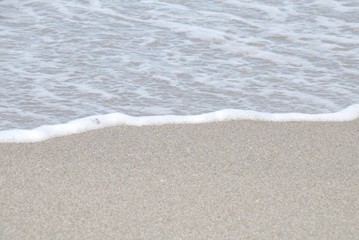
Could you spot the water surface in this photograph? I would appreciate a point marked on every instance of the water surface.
(63, 60)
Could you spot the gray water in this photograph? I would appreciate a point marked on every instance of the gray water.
(63, 60)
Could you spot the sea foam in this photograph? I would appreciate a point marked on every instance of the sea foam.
(114, 119)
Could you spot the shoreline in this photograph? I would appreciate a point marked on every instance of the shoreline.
(224, 180)
(95, 122)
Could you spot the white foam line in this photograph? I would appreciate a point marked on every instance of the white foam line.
(101, 121)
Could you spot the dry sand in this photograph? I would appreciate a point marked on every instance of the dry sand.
(227, 180)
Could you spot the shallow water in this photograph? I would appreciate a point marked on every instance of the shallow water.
(63, 60)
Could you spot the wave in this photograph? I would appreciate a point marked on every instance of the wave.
(46, 132)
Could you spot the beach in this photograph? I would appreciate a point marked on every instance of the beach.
(222, 180)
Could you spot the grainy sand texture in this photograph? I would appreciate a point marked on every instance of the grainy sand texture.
(224, 180)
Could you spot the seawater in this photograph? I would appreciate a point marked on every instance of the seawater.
(65, 60)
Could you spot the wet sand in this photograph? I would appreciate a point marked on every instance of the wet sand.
(225, 180)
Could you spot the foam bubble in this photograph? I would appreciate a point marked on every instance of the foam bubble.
(101, 121)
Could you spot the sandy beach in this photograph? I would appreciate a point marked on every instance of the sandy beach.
(224, 180)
